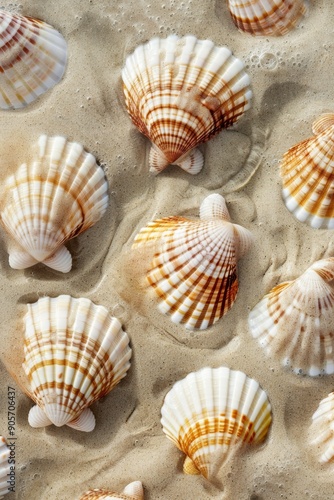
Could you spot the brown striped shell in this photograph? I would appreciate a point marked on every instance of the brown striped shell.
(75, 352)
(295, 321)
(266, 17)
(321, 432)
(180, 92)
(133, 491)
(194, 272)
(211, 413)
(307, 172)
(33, 57)
(60, 194)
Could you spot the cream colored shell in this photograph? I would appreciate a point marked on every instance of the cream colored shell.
(266, 17)
(33, 57)
(75, 352)
(54, 198)
(321, 432)
(133, 491)
(307, 172)
(4, 466)
(194, 272)
(180, 92)
(295, 321)
(211, 413)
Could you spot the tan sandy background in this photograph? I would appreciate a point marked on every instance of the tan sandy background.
(292, 80)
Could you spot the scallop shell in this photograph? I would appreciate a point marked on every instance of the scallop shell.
(322, 429)
(133, 491)
(56, 197)
(75, 353)
(307, 173)
(4, 466)
(33, 57)
(211, 413)
(295, 321)
(180, 92)
(194, 272)
(266, 17)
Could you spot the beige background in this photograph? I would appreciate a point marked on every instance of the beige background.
(292, 84)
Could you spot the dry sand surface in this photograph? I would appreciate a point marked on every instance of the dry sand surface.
(292, 84)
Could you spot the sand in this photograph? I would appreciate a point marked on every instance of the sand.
(292, 85)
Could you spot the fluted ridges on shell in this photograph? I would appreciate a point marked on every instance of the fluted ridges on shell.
(4, 466)
(321, 432)
(267, 17)
(133, 491)
(210, 413)
(75, 353)
(180, 92)
(294, 321)
(33, 57)
(60, 194)
(194, 272)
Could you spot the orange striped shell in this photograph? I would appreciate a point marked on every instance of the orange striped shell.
(211, 413)
(307, 172)
(321, 432)
(194, 272)
(33, 57)
(180, 92)
(75, 352)
(133, 491)
(266, 17)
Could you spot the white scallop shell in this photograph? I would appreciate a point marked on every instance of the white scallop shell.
(133, 491)
(75, 353)
(266, 17)
(194, 272)
(321, 431)
(294, 321)
(211, 413)
(180, 92)
(4, 466)
(59, 195)
(33, 57)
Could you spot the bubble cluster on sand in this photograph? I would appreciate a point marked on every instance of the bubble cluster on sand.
(270, 59)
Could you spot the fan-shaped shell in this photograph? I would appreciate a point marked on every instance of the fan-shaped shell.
(4, 466)
(295, 320)
(266, 17)
(321, 431)
(210, 413)
(133, 491)
(180, 92)
(59, 195)
(75, 353)
(194, 272)
(33, 57)
(307, 173)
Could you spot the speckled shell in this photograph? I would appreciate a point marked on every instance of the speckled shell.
(4, 466)
(194, 272)
(133, 491)
(54, 198)
(33, 57)
(295, 321)
(180, 92)
(266, 17)
(307, 172)
(211, 413)
(75, 352)
(321, 432)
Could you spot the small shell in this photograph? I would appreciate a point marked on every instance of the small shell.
(4, 466)
(75, 353)
(180, 92)
(321, 431)
(295, 321)
(133, 491)
(194, 273)
(307, 175)
(266, 17)
(211, 413)
(59, 195)
(33, 57)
